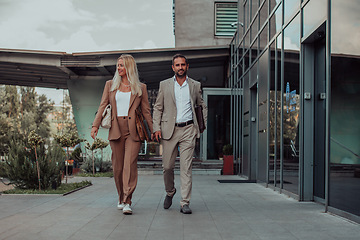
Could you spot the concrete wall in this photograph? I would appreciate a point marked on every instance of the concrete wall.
(85, 98)
(195, 23)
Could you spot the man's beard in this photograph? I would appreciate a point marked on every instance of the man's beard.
(181, 75)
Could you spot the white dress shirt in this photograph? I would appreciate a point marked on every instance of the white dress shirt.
(122, 103)
(183, 103)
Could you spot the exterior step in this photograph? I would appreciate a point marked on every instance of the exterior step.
(199, 168)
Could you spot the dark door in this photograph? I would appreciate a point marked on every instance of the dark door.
(320, 120)
(253, 132)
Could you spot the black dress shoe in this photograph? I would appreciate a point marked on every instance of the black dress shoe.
(185, 209)
(168, 201)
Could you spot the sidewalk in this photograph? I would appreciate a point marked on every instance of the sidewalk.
(220, 211)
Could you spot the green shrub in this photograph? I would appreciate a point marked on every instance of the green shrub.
(2, 170)
(64, 188)
(100, 174)
(100, 165)
(20, 168)
(76, 155)
(228, 149)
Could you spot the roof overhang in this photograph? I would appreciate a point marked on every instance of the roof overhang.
(53, 69)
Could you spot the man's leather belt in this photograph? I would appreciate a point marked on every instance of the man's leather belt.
(183, 124)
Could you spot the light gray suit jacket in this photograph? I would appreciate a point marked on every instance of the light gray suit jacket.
(164, 115)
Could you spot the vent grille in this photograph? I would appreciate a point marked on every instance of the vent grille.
(226, 14)
(80, 61)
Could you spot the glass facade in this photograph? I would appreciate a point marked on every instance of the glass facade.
(295, 93)
(344, 184)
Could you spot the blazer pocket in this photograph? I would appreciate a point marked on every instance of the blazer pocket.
(162, 123)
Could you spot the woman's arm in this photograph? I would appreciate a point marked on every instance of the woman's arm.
(103, 103)
(145, 107)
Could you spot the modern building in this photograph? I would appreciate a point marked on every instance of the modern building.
(295, 92)
(204, 22)
(280, 77)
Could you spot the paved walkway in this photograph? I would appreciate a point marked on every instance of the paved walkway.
(220, 211)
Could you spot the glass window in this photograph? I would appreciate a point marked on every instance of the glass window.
(291, 6)
(263, 37)
(291, 106)
(314, 14)
(345, 110)
(218, 125)
(247, 15)
(226, 14)
(254, 29)
(272, 105)
(275, 22)
(246, 61)
(264, 13)
(262, 115)
(247, 39)
(254, 8)
(254, 52)
(273, 5)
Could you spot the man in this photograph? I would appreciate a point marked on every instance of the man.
(174, 121)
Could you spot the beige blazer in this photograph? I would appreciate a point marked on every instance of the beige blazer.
(164, 116)
(135, 101)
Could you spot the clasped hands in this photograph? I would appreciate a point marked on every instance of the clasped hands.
(156, 136)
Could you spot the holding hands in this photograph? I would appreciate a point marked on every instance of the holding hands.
(156, 136)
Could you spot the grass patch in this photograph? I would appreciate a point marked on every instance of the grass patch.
(99, 174)
(64, 188)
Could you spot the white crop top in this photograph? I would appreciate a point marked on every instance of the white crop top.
(122, 103)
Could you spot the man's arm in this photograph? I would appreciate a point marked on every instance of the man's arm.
(158, 109)
(200, 101)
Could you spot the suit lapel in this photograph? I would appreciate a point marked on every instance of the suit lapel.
(132, 99)
(113, 103)
(191, 89)
(172, 89)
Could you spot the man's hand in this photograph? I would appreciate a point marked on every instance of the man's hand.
(94, 131)
(157, 136)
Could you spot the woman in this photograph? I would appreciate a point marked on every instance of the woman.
(124, 93)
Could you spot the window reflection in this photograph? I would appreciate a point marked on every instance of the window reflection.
(272, 115)
(345, 27)
(291, 106)
(276, 22)
(345, 111)
(218, 125)
(291, 6)
(314, 15)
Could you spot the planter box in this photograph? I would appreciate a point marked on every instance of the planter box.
(228, 165)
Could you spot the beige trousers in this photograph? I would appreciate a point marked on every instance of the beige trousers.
(184, 139)
(124, 160)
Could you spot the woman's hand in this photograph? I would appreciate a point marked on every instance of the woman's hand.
(94, 131)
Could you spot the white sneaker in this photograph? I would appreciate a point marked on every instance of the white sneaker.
(127, 209)
(120, 206)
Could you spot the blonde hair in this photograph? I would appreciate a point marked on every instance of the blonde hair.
(131, 73)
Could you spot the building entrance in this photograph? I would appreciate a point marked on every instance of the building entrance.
(217, 132)
(314, 116)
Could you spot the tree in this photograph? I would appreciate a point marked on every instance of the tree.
(5, 127)
(69, 139)
(43, 108)
(35, 140)
(98, 143)
(12, 101)
(28, 99)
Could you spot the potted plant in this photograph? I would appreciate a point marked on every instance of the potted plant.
(228, 163)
